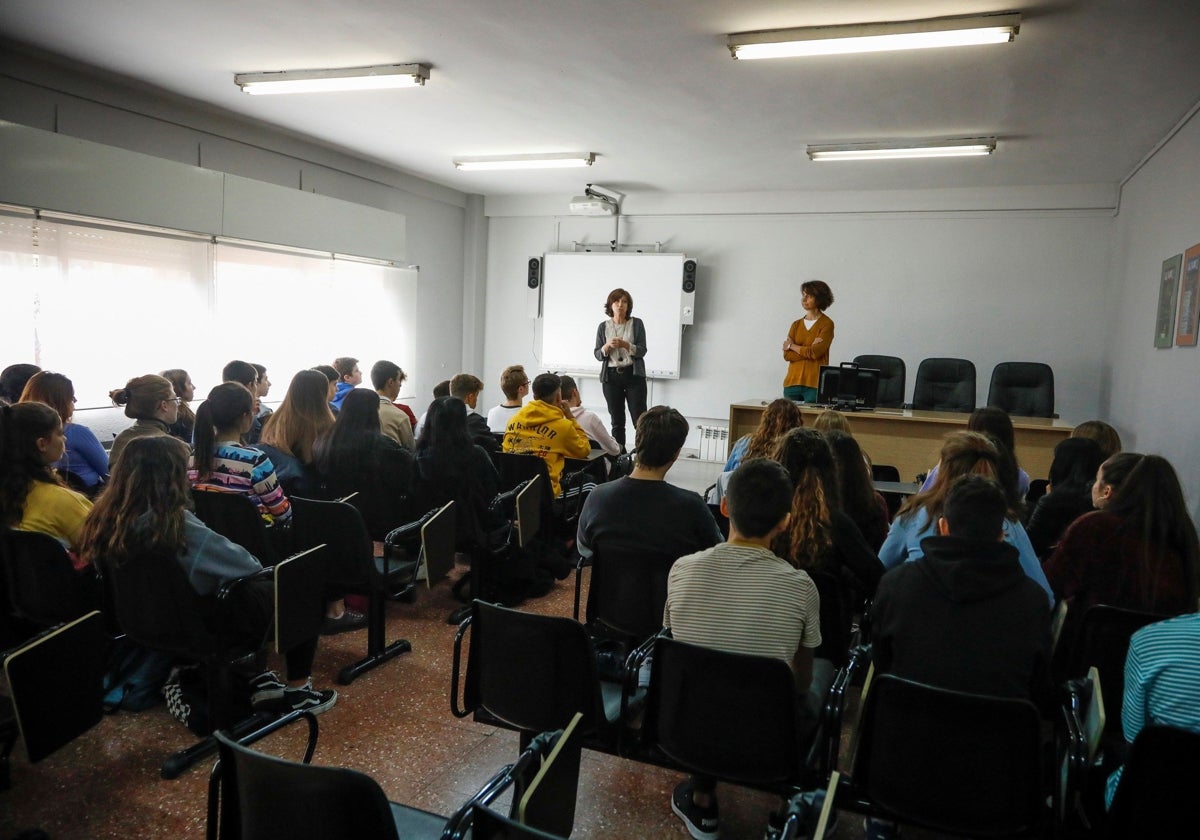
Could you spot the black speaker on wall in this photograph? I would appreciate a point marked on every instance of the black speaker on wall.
(533, 286)
(687, 311)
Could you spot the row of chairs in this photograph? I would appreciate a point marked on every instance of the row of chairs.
(1025, 389)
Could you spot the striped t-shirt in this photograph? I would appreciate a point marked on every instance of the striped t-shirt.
(742, 599)
(1162, 681)
(246, 470)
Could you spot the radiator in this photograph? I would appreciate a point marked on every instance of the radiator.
(714, 443)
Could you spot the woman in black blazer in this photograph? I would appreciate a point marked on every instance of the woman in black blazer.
(621, 347)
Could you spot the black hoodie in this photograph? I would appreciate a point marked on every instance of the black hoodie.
(964, 617)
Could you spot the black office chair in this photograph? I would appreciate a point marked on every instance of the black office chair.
(892, 378)
(948, 761)
(1025, 389)
(353, 567)
(55, 684)
(253, 796)
(730, 716)
(945, 384)
(1156, 794)
(532, 673)
(627, 592)
(42, 586)
(155, 606)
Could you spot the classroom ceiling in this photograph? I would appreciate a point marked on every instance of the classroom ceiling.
(1084, 93)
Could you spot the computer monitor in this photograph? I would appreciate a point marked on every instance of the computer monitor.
(848, 387)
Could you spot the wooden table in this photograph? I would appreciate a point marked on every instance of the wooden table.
(911, 440)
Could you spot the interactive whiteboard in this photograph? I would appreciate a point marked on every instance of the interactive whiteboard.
(574, 288)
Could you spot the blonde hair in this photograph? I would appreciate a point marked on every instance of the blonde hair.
(831, 421)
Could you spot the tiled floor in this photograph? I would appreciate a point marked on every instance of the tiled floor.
(393, 723)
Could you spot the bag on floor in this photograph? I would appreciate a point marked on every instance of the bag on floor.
(134, 678)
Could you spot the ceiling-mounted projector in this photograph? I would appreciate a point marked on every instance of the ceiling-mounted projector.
(592, 205)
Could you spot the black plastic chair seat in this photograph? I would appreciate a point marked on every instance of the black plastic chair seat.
(413, 822)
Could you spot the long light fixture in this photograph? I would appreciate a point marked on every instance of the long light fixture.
(379, 77)
(960, 31)
(565, 160)
(963, 147)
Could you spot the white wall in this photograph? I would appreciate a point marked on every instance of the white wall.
(986, 285)
(87, 106)
(1154, 401)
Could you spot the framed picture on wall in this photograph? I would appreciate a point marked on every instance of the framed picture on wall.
(1189, 298)
(1168, 286)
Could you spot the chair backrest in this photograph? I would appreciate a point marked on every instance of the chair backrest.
(55, 680)
(950, 761)
(154, 604)
(726, 715)
(628, 589)
(534, 672)
(264, 798)
(42, 585)
(236, 518)
(945, 384)
(1154, 798)
(438, 539)
(892, 378)
(1102, 641)
(1022, 388)
(350, 551)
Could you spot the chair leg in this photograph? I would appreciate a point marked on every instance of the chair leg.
(378, 650)
(248, 731)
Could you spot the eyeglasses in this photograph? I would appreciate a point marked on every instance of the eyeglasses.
(176, 400)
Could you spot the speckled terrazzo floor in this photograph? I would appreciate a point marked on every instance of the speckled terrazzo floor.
(393, 723)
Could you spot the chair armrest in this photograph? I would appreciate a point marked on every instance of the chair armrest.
(630, 702)
(579, 566)
(226, 588)
(456, 668)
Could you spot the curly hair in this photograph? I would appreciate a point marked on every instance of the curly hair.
(780, 418)
(806, 456)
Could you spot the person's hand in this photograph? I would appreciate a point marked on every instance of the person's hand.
(620, 343)
(817, 341)
(566, 409)
(787, 344)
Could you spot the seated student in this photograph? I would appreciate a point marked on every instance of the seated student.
(442, 389)
(264, 388)
(1162, 682)
(467, 388)
(145, 511)
(824, 541)
(331, 374)
(223, 463)
(32, 497)
(860, 500)
(546, 428)
(1137, 551)
(1068, 495)
(1106, 436)
(85, 457)
(964, 616)
(740, 597)
(349, 378)
(642, 511)
(831, 421)
(386, 378)
(185, 422)
(780, 417)
(962, 453)
(151, 401)
(246, 374)
(514, 384)
(355, 457)
(589, 421)
(995, 423)
(291, 431)
(12, 382)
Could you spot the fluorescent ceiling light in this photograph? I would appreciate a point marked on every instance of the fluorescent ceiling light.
(876, 37)
(554, 161)
(965, 147)
(319, 81)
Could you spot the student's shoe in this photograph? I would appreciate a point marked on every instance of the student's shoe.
(881, 829)
(271, 695)
(348, 620)
(701, 823)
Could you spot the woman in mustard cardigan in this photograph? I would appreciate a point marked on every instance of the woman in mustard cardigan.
(806, 347)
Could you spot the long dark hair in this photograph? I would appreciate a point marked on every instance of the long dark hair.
(853, 476)
(809, 462)
(1074, 467)
(1149, 500)
(21, 462)
(351, 441)
(178, 378)
(141, 509)
(225, 405)
(445, 431)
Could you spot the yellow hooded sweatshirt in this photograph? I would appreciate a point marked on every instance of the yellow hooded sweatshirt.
(540, 429)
